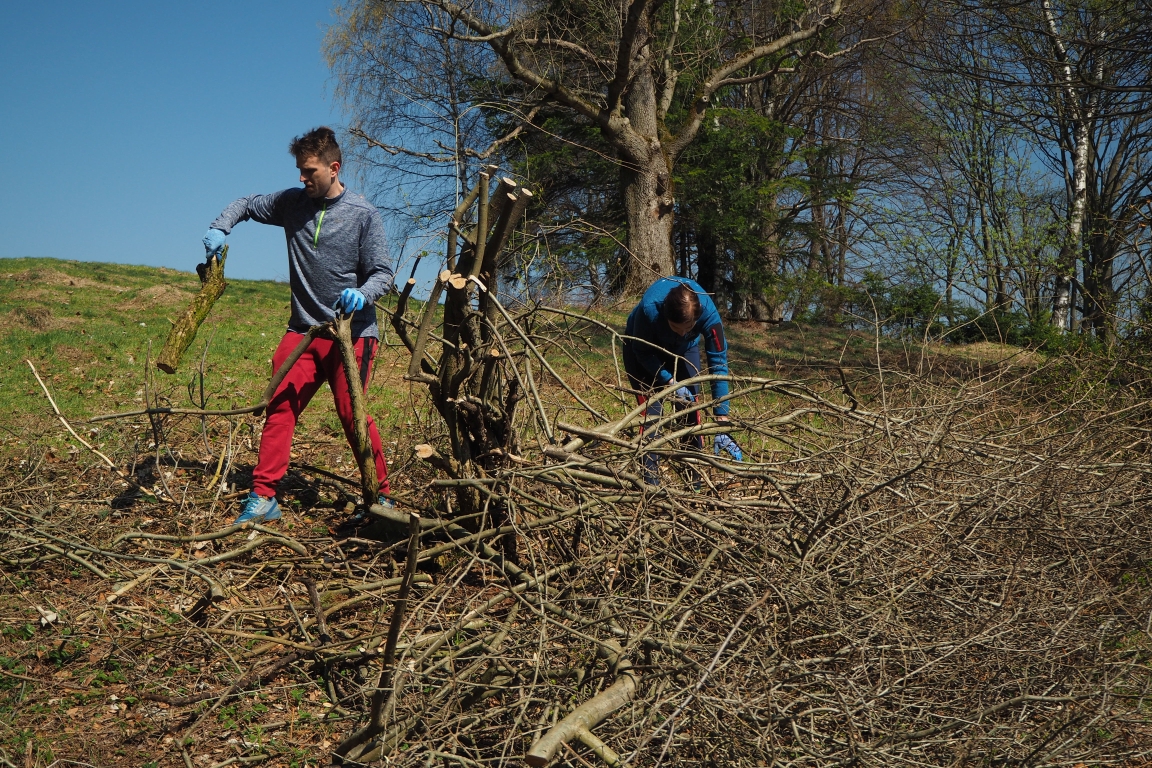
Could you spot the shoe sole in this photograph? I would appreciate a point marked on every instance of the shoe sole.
(267, 517)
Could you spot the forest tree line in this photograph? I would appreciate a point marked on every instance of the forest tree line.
(966, 169)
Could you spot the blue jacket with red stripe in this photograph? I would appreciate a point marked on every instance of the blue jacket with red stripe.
(647, 322)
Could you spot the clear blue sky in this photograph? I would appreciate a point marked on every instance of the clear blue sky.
(128, 126)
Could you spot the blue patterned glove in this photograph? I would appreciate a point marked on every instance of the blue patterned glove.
(684, 394)
(213, 242)
(350, 301)
(727, 444)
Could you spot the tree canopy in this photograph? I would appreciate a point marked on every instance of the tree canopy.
(992, 154)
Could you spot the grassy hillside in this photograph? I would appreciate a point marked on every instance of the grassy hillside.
(88, 328)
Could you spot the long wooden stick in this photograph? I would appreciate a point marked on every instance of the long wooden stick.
(362, 446)
(399, 606)
(184, 330)
(481, 228)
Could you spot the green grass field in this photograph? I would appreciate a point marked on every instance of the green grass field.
(89, 328)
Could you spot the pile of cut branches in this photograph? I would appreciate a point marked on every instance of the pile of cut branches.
(905, 570)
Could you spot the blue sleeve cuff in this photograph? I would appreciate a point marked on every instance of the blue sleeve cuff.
(719, 390)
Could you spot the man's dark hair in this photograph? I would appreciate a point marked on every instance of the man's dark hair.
(682, 305)
(318, 142)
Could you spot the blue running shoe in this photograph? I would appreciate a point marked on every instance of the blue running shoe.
(729, 446)
(386, 502)
(259, 509)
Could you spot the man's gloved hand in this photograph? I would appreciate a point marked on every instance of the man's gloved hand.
(728, 445)
(213, 242)
(684, 394)
(350, 301)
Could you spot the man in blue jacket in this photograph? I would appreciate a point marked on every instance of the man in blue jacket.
(337, 261)
(662, 346)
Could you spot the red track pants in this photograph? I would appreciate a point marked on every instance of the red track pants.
(320, 363)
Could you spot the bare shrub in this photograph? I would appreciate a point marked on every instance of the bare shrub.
(908, 568)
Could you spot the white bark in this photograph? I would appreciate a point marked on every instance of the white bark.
(1081, 116)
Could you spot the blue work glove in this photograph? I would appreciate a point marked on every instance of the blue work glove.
(727, 444)
(350, 301)
(685, 394)
(213, 242)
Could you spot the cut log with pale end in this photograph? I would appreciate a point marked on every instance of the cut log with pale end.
(580, 721)
(184, 330)
(500, 200)
(429, 454)
(518, 203)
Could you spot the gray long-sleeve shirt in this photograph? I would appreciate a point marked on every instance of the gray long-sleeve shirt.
(333, 244)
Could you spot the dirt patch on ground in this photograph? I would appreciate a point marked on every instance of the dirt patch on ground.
(161, 296)
(48, 276)
(39, 319)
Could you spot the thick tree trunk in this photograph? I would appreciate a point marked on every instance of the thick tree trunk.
(645, 179)
(1073, 236)
(1066, 266)
(1099, 283)
(768, 304)
(1082, 115)
(648, 202)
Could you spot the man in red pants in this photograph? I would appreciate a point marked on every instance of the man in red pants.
(338, 262)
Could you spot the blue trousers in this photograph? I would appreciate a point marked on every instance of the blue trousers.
(684, 367)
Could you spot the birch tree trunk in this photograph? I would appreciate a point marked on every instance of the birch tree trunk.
(1070, 249)
(1081, 117)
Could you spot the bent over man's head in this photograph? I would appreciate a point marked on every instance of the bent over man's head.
(682, 305)
(319, 143)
